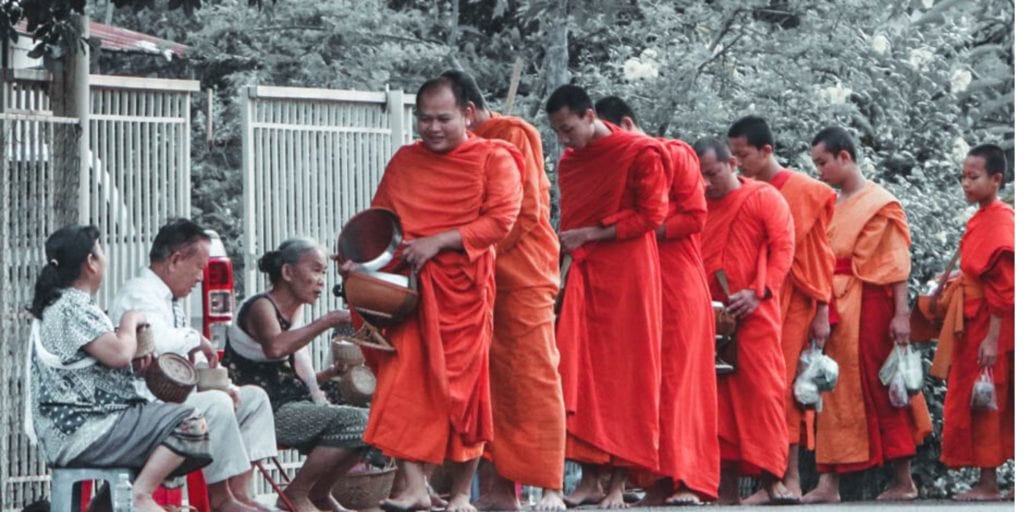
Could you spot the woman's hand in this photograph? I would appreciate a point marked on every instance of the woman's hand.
(988, 351)
(340, 317)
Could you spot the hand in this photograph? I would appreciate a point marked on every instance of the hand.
(820, 329)
(140, 364)
(235, 394)
(340, 317)
(319, 398)
(130, 320)
(419, 251)
(743, 303)
(899, 329)
(574, 238)
(346, 267)
(207, 349)
(988, 351)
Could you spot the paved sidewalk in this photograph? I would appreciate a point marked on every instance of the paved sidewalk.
(859, 506)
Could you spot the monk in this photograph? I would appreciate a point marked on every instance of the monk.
(858, 428)
(457, 196)
(983, 340)
(526, 392)
(688, 469)
(749, 237)
(807, 289)
(613, 197)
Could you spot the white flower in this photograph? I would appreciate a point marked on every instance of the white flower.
(880, 45)
(927, 4)
(959, 149)
(921, 57)
(941, 237)
(959, 81)
(836, 95)
(649, 55)
(635, 69)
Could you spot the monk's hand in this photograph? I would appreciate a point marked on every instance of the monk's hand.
(899, 328)
(820, 328)
(419, 251)
(572, 239)
(743, 303)
(987, 351)
(346, 267)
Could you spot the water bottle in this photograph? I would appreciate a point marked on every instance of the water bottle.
(121, 494)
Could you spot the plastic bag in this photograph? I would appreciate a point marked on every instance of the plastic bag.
(906, 362)
(817, 373)
(898, 395)
(983, 396)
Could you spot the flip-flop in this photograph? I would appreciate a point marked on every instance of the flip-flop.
(789, 499)
(688, 502)
(387, 506)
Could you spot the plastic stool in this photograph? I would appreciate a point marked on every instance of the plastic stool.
(65, 493)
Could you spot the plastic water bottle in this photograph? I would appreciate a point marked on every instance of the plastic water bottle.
(121, 494)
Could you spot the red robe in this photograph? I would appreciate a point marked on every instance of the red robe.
(689, 421)
(982, 438)
(808, 283)
(610, 322)
(432, 401)
(526, 392)
(749, 235)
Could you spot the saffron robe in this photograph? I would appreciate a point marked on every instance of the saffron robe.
(871, 240)
(808, 283)
(526, 392)
(432, 401)
(982, 438)
(749, 235)
(610, 322)
(689, 419)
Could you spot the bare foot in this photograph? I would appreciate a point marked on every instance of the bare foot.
(821, 495)
(656, 494)
(460, 503)
(497, 501)
(405, 504)
(436, 501)
(683, 496)
(979, 493)
(585, 496)
(899, 493)
(550, 501)
(302, 504)
(328, 503)
(253, 504)
(614, 499)
(758, 498)
(232, 505)
(145, 503)
(779, 494)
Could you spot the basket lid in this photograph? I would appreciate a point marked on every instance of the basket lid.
(177, 368)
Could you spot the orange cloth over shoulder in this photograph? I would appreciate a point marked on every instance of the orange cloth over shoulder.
(610, 323)
(808, 283)
(433, 399)
(749, 235)
(983, 438)
(871, 230)
(526, 392)
(689, 420)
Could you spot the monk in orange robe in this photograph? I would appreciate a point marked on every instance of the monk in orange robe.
(457, 196)
(807, 290)
(749, 237)
(613, 197)
(858, 428)
(526, 392)
(983, 340)
(688, 469)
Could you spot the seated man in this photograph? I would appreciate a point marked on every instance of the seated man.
(240, 421)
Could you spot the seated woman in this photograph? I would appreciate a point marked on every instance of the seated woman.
(84, 407)
(266, 351)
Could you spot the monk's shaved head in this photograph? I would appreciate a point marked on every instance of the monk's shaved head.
(614, 109)
(573, 97)
(702, 146)
(755, 129)
(468, 86)
(835, 139)
(434, 85)
(995, 158)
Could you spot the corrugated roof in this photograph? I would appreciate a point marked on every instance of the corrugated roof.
(123, 40)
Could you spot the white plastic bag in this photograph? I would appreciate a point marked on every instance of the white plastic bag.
(898, 395)
(817, 373)
(906, 362)
(983, 396)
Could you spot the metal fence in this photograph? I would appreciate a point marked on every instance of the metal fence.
(138, 176)
(312, 158)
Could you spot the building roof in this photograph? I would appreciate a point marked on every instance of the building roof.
(119, 39)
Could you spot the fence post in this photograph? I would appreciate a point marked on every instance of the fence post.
(396, 109)
(70, 98)
(246, 101)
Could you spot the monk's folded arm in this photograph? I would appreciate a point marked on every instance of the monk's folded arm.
(503, 194)
(647, 185)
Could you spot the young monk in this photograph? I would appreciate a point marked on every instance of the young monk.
(858, 427)
(807, 289)
(688, 458)
(979, 437)
(613, 197)
(749, 237)
(457, 196)
(526, 392)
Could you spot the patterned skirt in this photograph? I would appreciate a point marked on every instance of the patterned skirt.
(304, 425)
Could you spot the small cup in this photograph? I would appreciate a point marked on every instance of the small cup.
(144, 341)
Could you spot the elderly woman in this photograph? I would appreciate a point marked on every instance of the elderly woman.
(84, 407)
(266, 350)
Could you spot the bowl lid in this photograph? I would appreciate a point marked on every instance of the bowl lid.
(370, 235)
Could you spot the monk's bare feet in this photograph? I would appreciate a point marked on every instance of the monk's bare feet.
(496, 502)
(615, 499)
(979, 493)
(898, 492)
(436, 501)
(460, 503)
(550, 501)
(683, 496)
(758, 498)
(590, 495)
(820, 495)
(656, 494)
(779, 494)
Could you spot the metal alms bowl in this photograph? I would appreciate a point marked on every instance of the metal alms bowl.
(371, 238)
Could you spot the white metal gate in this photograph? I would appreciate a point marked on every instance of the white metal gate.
(138, 176)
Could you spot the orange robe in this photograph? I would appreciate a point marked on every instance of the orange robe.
(526, 392)
(609, 328)
(808, 283)
(749, 235)
(982, 438)
(689, 420)
(858, 428)
(433, 399)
